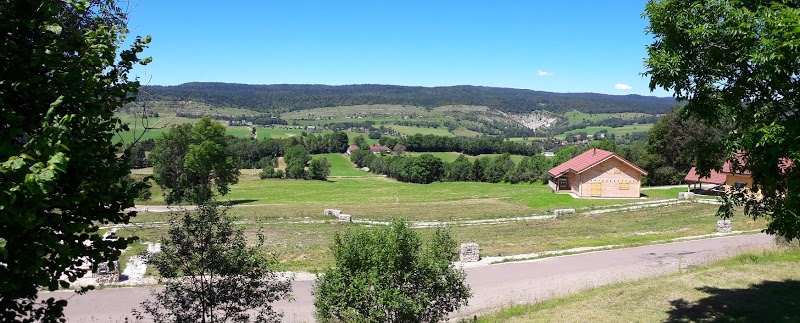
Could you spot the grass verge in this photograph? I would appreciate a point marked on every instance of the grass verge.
(757, 286)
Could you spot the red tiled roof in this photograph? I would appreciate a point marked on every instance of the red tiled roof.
(352, 148)
(715, 178)
(379, 148)
(586, 160)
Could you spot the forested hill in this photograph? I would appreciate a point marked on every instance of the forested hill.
(289, 97)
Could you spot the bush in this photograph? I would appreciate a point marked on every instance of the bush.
(384, 276)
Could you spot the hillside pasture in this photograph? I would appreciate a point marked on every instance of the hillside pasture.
(461, 108)
(408, 130)
(619, 131)
(576, 117)
(354, 110)
(192, 107)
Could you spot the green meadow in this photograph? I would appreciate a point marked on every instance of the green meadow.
(619, 131)
(576, 117)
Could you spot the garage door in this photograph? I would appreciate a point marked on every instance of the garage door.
(597, 189)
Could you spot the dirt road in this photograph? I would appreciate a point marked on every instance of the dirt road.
(494, 286)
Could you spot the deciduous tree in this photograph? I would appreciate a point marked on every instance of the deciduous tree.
(213, 274)
(737, 63)
(191, 161)
(319, 169)
(63, 73)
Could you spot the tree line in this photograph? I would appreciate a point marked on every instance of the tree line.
(264, 119)
(427, 168)
(469, 146)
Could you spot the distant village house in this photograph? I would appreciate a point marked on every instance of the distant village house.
(597, 173)
(379, 149)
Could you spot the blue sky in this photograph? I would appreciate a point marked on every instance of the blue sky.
(558, 46)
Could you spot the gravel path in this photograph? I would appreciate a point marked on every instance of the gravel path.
(494, 286)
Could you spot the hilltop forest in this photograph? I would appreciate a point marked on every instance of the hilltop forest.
(291, 97)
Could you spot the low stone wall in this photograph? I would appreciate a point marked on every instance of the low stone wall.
(685, 195)
(470, 252)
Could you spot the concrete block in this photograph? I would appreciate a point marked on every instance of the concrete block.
(561, 212)
(470, 252)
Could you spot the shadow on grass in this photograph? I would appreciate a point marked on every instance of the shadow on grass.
(769, 301)
(237, 202)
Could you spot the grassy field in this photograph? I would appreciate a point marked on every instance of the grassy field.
(407, 130)
(194, 107)
(302, 242)
(619, 131)
(355, 110)
(289, 213)
(576, 117)
(341, 166)
(754, 287)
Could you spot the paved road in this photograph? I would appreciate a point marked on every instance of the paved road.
(493, 286)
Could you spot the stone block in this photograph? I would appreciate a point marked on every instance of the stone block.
(345, 217)
(685, 195)
(333, 212)
(724, 226)
(561, 212)
(470, 252)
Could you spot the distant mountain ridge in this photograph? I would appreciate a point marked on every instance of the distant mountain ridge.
(290, 97)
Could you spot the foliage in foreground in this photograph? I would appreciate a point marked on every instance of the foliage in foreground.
(735, 63)
(385, 276)
(212, 274)
(63, 72)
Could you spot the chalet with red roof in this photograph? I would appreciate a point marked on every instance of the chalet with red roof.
(727, 176)
(351, 149)
(379, 149)
(737, 177)
(597, 173)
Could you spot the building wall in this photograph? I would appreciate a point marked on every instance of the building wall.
(574, 182)
(612, 182)
(731, 179)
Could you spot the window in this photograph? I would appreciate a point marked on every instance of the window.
(624, 186)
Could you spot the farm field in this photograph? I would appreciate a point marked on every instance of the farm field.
(354, 110)
(619, 131)
(301, 243)
(193, 107)
(408, 130)
(755, 286)
(576, 117)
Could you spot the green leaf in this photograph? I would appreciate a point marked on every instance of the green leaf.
(56, 29)
(56, 103)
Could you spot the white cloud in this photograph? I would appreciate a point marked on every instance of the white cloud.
(543, 73)
(622, 86)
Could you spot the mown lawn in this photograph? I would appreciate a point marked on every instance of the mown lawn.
(753, 287)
